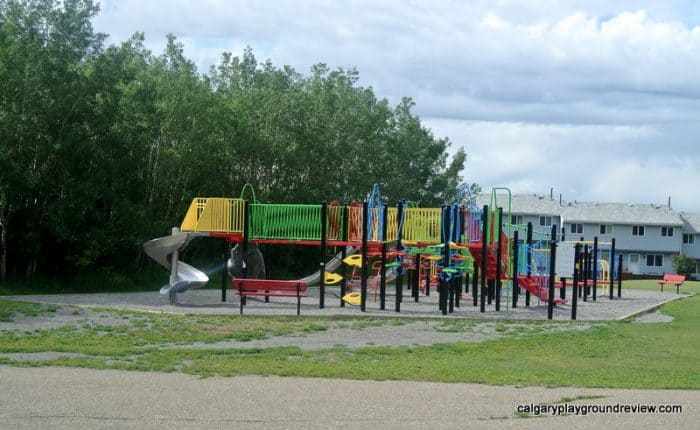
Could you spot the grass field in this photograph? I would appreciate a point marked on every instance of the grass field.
(614, 354)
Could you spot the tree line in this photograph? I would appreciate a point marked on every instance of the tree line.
(104, 147)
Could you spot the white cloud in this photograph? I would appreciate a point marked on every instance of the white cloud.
(589, 96)
(582, 162)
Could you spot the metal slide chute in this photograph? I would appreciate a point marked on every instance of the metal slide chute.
(165, 251)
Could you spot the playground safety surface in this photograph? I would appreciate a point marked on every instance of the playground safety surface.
(208, 301)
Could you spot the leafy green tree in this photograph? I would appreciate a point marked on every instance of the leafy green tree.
(43, 45)
(104, 148)
(684, 265)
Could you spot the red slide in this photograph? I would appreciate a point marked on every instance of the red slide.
(531, 285)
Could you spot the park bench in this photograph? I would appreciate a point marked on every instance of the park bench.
(269, 288)
(676, 280)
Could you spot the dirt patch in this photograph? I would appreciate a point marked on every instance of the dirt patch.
(653, 317)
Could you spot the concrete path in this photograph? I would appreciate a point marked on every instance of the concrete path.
(67, 398)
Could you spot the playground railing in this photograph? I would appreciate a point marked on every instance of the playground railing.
(214, 214)
(472, 231)
(422, 225)
(355, 223)
(283, 221)
(334, 225)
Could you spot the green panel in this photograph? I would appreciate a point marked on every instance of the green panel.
(289, 222)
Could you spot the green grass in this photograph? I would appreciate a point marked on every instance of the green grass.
(653, 285)
(617, 354)
(10, 308)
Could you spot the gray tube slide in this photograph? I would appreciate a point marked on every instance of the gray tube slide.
(164, 250)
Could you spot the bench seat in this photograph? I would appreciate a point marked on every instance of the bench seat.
(676, 280)
(269, 288)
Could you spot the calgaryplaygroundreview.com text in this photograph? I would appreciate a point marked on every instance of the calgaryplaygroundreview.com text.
(571, 409)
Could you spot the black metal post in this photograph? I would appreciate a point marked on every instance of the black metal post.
(457, 290)
(399, 248)
(343, 273)
(224, 270)
(382, 274)
(619, 276)
(499, 231)
(244, 247)
(343, 254)
(552, 263)
(595, 268)
(562, 290)
(428, 280)
(484, 255)
(529, 260)
(611, 269)
(574, 291)
(416, 278)
(585, 273)
(475, 283)
(445, 259)
(363, 255)
(516, 285)
(322, 265)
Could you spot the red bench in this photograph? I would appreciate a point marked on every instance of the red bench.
(676, 280)
(269, 288)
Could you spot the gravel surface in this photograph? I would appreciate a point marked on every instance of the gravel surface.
(420, 333)
(208, 301)
(75, 310)
(70, 398)
(65, 315)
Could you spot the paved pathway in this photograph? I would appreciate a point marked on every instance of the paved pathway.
(67, 398)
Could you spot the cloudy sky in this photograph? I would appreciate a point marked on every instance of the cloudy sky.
(598, 99)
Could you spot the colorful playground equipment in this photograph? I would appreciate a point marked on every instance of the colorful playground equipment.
(430, 248)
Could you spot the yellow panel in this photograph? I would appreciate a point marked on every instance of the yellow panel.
(215, 215)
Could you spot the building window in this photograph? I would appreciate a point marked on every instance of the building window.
(697, 267)
(667, 231)
(637, 230)
(577, 228)
(546, 221)
(689, 238)
(516, 219)
(606, 229)
(655, 260)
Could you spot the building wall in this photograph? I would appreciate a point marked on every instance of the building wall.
(536, 227)
(652, 239)
(643, 269)
(692, 250)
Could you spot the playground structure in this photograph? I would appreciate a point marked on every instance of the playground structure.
(442, 249)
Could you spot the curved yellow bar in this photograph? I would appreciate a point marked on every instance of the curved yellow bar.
(353, 260)
(332, 278)
(353, 299)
